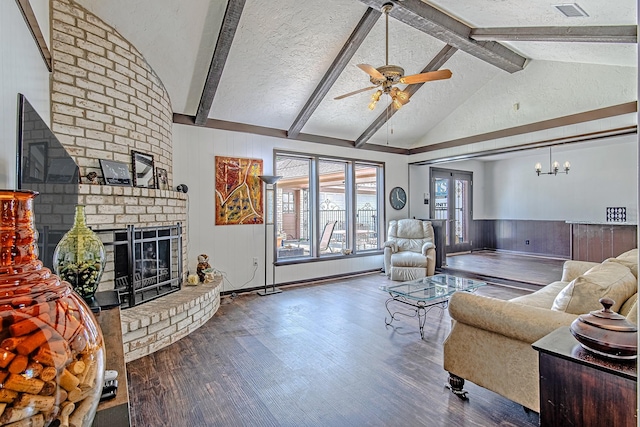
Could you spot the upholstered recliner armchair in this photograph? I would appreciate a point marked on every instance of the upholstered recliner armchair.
(410, 251)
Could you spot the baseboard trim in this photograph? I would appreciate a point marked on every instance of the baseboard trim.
(314, 281)
(529, 254)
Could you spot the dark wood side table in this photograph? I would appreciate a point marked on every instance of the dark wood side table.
(578, 388)
(114, 412)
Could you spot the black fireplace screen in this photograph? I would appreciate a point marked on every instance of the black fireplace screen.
(147, 262)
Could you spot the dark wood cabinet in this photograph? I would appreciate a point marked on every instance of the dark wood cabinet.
(114, 412)
(597, 242)
(578, 388)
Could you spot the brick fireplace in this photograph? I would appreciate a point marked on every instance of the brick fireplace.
(107, 101)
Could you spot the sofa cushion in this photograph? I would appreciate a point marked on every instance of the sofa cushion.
(630, 309)
(633, 313)
(609, 279)
(410, 234)
(542, 298)
(629, 259)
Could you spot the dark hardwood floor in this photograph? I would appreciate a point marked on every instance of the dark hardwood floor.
(507, 268)
(315, 355)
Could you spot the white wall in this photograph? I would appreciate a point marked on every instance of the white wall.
(600, 176)
(231, 248)
(22, 70)
(603, 174)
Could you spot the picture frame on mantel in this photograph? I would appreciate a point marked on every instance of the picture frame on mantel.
(163, 179)
(115, 173)
(143, 170)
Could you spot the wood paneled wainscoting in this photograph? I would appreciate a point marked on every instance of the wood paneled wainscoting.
(543, 238)
(599, 241)
(558, 239)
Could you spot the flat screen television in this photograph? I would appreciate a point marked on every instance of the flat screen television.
(44, 165)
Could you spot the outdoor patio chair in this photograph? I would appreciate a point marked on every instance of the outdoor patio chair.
(325, 239)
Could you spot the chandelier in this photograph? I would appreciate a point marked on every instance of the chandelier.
(554, 167)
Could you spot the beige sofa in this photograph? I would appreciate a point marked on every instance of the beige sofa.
(490, 339)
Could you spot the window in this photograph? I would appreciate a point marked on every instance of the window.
(292, 207)
(288, 202)
(327, 206)
(367, 214)
(333, 206)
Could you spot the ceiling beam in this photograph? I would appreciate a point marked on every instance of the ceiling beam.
(30, 18)
(430, 20)
(354, 41)
(437, 62)
(552, 142)
(572, 119)
(223, 46)
(604, 34)
(184, 119)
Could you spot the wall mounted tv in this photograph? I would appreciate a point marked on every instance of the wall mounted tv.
(43, 165)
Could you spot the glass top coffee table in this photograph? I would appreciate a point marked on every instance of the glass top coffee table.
(424, 294)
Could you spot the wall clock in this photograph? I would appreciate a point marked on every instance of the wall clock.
(397, 198)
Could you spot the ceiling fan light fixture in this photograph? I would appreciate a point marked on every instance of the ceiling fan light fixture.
(402, 96)
(386, 76)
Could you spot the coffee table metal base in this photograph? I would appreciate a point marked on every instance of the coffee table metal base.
(425, 293)
(419, 310)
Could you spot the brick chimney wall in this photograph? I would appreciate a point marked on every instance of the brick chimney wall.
(105, 102)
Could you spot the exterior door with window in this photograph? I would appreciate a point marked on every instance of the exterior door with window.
(290, 221)
(451, 201)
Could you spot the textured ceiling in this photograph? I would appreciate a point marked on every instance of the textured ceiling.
(282, 49)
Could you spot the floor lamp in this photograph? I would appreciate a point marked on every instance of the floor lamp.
(269, 211)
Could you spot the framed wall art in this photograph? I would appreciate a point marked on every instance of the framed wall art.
(115, 173)
(143, 171)
(238, 191)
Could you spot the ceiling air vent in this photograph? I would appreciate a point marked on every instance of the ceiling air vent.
(571, 10)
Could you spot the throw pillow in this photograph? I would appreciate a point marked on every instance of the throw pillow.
(628, 259)
(609, 279)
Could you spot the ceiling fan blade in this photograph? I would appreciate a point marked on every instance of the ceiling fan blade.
(426, 77)
(355, 92)
(369, 69)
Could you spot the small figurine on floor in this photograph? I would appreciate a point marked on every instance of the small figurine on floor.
(203, 264)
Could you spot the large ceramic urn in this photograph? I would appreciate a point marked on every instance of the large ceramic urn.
(51, 348)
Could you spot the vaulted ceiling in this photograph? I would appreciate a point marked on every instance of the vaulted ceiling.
(274, 67)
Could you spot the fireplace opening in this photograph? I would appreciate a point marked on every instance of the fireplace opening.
(147, 261)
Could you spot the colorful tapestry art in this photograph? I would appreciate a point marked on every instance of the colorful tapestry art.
(238, 191)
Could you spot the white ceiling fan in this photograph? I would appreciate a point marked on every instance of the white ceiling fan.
(387, 76)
